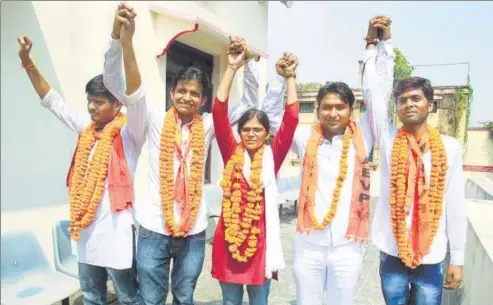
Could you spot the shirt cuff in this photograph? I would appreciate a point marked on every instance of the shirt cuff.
(293, 107)
(134, 97)
(387, 46)
(457, 258)
(115, 45)
(49, 98)
(220, 104)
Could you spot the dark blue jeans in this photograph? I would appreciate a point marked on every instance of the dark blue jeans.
(404, 286)
(233, 293)
(154, 254)
(93, 285)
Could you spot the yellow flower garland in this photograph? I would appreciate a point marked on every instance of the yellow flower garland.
(236, 231)
(166, 170)
(343, 167)
(398, 204)
(89, 178)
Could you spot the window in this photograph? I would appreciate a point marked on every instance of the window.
(362, 110)
(307, 107)
(180, 56)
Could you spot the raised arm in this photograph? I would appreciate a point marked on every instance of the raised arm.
(284, 137)
(249, 98)
(378, 77)
(225, 137)
(126, 88)
(49, 97)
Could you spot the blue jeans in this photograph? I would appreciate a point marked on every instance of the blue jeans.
(93, 285)
(233, 293)
(425, 281)
(154, 254)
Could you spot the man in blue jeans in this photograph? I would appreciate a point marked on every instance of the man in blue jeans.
(422, 209)
(172, 216)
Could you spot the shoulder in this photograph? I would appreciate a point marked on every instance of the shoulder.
(452, 146)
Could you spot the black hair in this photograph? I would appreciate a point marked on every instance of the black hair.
(254, 113)
(340, 88)
(192, 73)
(412, 83)
(96, 87)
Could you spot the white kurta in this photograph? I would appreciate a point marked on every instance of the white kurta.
(108, 241)
(146, 124)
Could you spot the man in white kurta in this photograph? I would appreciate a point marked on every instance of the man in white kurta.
(105, 248)
(426, 280)
(156, 247)
(326, 264)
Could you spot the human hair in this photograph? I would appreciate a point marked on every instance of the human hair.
(96, 87)
(254, 113)
(412, 83)
(340, 88)
(192, 73)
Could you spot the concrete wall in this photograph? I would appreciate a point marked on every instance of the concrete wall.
(479, 148)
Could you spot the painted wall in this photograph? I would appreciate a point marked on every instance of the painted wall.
(479, 148)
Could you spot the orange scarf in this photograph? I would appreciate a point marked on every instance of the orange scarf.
(120, 185)
(423, 219)
(359, 216)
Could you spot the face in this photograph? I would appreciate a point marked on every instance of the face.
(253, 134)
(333, 114)
(413, 107)
(187, 97)
(101, 109)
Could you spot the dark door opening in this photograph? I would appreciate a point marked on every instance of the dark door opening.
(181, 56)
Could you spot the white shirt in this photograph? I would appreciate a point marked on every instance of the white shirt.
(328, 158)
(147, 124)
(377, 90)
(108, 240)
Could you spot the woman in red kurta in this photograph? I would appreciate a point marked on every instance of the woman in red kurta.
(247, 247)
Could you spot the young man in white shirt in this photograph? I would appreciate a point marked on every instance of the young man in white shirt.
(100, 186)
(422, 209)
(172, 216)
(333, 216)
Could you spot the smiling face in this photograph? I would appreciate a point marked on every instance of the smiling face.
(413, 108)
(253, 134)
(333, 113)
(101, 109)
(187, 97)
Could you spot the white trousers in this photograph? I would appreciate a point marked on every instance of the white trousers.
(321, 271)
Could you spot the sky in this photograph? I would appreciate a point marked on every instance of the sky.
(327, 37)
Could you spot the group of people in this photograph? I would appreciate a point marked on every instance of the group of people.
(420, 213)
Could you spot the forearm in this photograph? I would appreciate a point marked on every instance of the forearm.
(133, 80)
(226, 83)
(37, 80)
(292, 92)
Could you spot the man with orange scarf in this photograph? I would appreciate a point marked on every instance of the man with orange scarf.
(333, 217)
(172, 216)
(100, 186)
(422, 209)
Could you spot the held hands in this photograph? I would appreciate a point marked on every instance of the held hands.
(454, 277)
(25, 46)
(124, 23)
(287, 64)
(379, 29)
(237, 52)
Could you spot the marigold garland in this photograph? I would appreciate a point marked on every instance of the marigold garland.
(89, 177)
(398, 204)
(166, 170)
(237, 231)
(343, 167)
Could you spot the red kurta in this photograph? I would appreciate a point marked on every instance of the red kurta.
(224, 267)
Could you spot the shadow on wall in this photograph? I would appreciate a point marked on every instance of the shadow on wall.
(35, 148)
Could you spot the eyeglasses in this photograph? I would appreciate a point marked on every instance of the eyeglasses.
(255, 130)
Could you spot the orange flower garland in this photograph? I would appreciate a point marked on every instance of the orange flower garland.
(398, 202)
(166, 170)
(236, 231)
(89, 177)
(343, 166)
